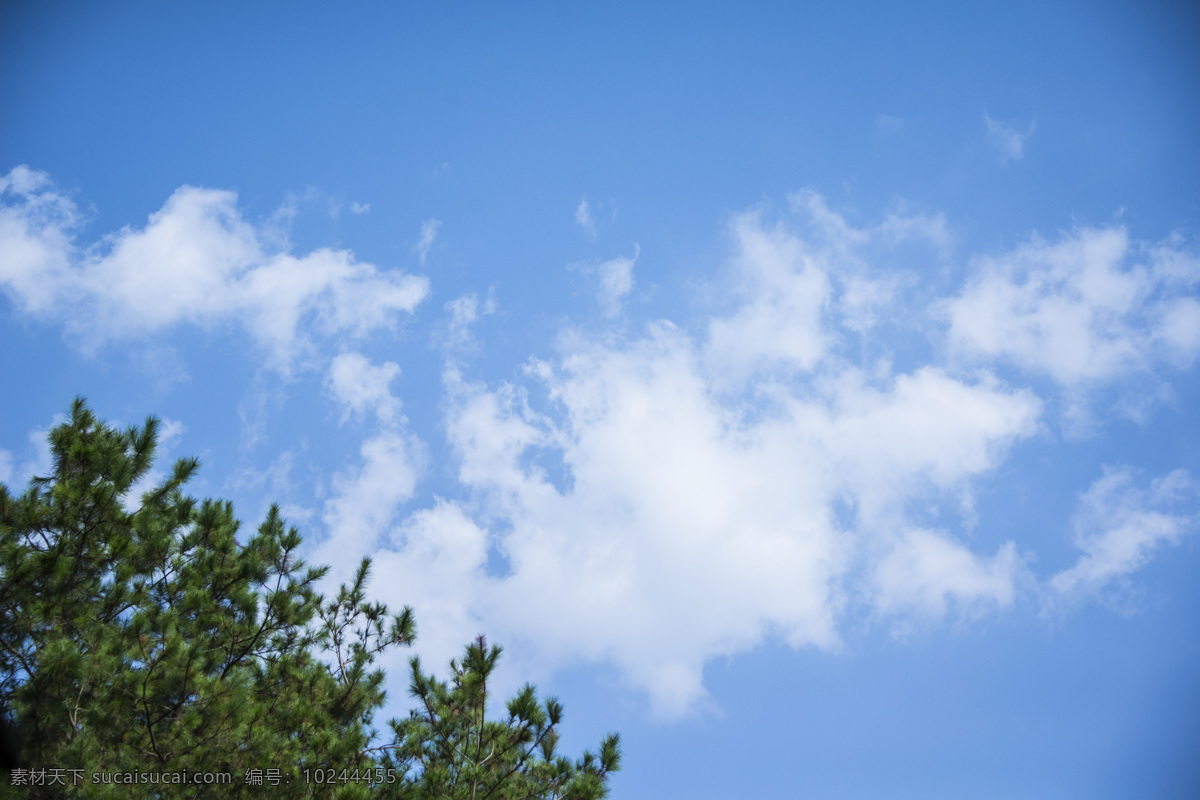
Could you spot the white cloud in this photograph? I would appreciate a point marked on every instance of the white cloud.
(196, 261)
(657, 521)
(1119, 526)
(435, 561)
(465, 311)
(360, 208)
(583, 218)
(1084, 310)
(616, 281)
(685, 532)
(796, 280)
(654, 557)
(925, 429)
(360, 387)
(925, 569)
(1009, 143)
(429, 230)
(36, 251)
(366, 498)
(785, 290)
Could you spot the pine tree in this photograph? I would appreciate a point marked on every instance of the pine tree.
(452, 750)
(148, 642)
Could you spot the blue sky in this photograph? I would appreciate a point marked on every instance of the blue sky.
(807, 392)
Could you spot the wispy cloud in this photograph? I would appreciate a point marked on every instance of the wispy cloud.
(886, 123)
(583, 218)
(464, 312)
(1009, 143)
(1119, 525)
(616, 281)
(429, 231)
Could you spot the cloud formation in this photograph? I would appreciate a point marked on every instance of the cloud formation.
(926, 569)
(1119, 525)
(616, 281)
(583, 218)
(429, 230)
(366, 496)
(359, 387)
(801, 284)
(659, 518)
(464, 312)
(1009, 143)
(1085, 310)
(196, 261)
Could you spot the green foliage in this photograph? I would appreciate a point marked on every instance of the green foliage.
(453, 750)
(149, 640)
